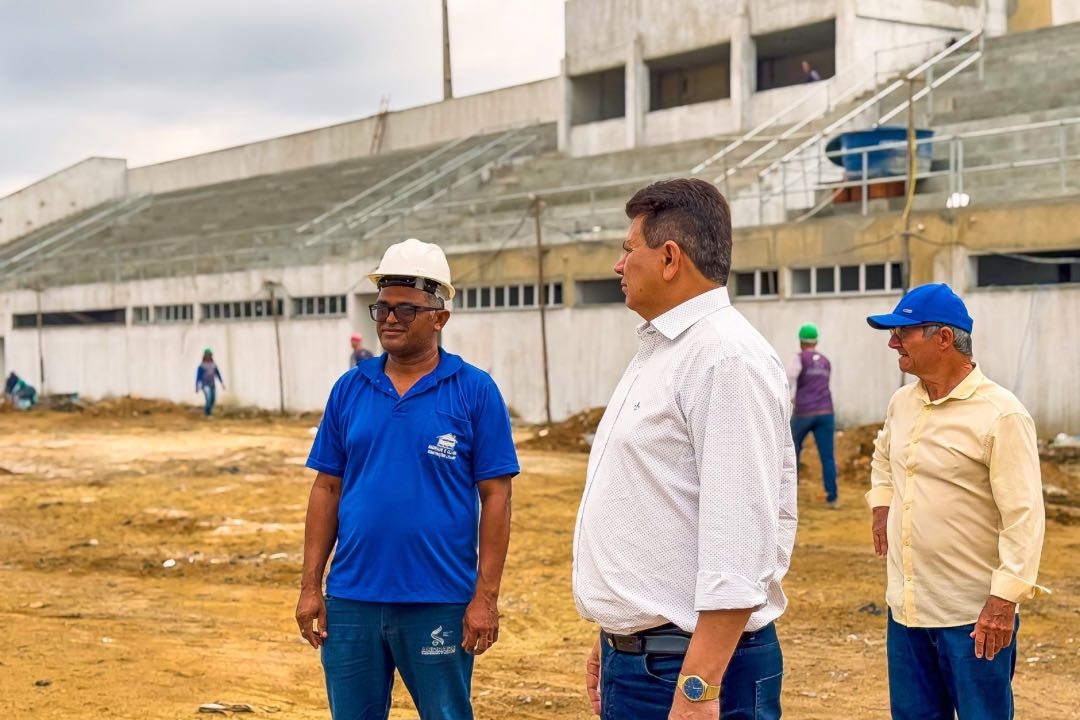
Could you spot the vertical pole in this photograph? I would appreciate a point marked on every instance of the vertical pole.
(447, 82)
(277, 345)
(905, 273)
(541, 290)
(1061, 156)
(40, 344)
(864, 188)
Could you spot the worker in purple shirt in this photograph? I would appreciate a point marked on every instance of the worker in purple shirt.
(206, 376)
(808, 375)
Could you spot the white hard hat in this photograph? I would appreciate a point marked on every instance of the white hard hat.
(418, 260)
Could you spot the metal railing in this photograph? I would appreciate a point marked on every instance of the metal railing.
(830, 93)
(810, 151)
(960, 164)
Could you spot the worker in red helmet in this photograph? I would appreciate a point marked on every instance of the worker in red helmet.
(359, 352)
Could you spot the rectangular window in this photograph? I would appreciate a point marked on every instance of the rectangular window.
(1053, 267)
(770, 285)
(896, 276)
(500, 297)
(316, 306)
(485, 297)
(112, 316)
(875, 277)
(826, 280)
(599, 292)
(745, 284)
(756, 283)
(555, 293)
(849, 278)
(173, 313)
(513, 296)
(140, 315)
(471, 298)
(800, 281)
(528, 295)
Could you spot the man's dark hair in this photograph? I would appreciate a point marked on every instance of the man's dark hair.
(693, 214)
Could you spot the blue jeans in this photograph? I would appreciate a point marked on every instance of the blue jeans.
(642, 687)
(210, 393)
(933, 672)
(366, 641)
(824, 428)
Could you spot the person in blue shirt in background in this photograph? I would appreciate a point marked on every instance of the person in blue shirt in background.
(415, 458)
(206, 375)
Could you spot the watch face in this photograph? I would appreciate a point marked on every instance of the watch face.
(694, 688)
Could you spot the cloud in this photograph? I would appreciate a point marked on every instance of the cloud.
(154, 80)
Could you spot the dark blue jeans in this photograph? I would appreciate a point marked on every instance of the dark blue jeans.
(824, 428)
(642, 687)
(366, 641)
(210, 393)
(933, 673)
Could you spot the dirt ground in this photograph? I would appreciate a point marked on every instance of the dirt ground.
(150, 562)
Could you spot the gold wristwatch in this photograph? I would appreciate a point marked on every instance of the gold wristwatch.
(695, 689)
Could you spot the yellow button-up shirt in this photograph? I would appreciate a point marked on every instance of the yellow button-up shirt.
(960, 476)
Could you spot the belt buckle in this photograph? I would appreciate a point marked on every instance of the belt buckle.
(626, 643)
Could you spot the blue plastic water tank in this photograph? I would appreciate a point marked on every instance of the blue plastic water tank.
(889, 162)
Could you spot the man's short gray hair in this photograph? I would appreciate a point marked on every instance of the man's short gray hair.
(961, 338)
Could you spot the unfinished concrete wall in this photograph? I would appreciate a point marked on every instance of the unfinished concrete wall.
(81, 186)
(415, 127)
(1065, 11)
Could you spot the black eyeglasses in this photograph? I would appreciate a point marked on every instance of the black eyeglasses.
(405, 313)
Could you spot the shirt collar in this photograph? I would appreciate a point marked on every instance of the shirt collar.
(448, 365)
(964, 390)
(680, 318)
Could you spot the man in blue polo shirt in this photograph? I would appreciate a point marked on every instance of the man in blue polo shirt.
(414, 458)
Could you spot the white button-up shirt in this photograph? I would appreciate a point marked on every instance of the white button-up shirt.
(690, 499)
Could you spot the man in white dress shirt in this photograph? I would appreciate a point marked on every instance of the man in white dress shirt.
(688, 516)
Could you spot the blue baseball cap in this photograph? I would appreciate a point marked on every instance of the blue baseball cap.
(934, 303)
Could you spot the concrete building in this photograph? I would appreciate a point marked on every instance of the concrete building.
(113, 279)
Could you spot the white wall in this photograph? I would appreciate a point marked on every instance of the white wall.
(599, 137)
(690, 121)
(534, 102)
(1065, 11)
(81, 186)
(1025, 339)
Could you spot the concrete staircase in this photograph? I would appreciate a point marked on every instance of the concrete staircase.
(1030, 78)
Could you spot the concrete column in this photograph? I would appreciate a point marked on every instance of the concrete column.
(743, 68)
(1064, 11)
(566, 112)
(996, 21)
(637, 94)
(847, 36)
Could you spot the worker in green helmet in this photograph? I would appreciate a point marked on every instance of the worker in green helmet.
(808, 374)
(207, 374)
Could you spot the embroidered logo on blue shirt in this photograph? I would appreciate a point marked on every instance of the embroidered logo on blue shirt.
(445, 447)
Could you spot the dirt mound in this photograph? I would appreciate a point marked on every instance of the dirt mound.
(571, 435)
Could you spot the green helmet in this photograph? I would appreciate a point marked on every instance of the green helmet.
(207, 351)
(808, 332)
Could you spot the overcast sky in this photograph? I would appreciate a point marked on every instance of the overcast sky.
(151, 80)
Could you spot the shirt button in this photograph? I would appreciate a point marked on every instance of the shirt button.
(915, 441)
(907, 506)
(907, 543)
(911, 473)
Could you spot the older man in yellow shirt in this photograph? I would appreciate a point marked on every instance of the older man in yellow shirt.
(957, 503)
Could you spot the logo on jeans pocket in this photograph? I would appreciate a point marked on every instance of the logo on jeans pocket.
(439, 646)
